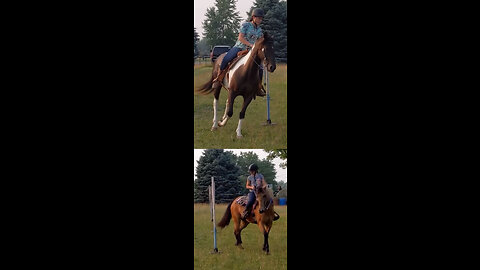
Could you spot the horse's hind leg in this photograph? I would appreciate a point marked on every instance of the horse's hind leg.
(216, 95)
(238, 233)
(239, 225)
(238, 237)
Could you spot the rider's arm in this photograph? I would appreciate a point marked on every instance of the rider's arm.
(249, 185)
(241, 37)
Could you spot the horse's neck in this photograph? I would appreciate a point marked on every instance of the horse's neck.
(252, 59)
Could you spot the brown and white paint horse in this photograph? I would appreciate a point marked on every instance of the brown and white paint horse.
(242, 79)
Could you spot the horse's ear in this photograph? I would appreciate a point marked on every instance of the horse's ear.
(267, 36)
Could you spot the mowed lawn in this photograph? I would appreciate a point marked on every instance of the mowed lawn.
(230, 256)
(255, 135)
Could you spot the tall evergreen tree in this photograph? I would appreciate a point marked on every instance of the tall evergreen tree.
(221, 165)
(196, 39)
(221, 23)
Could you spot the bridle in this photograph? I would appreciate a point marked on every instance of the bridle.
(264, 59)
(269, 202)
(259, 65)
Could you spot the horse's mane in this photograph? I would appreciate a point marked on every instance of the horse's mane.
(269, 193)
(267, 38)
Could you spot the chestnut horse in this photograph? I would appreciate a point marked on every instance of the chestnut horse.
(263, 216)
(242, 79)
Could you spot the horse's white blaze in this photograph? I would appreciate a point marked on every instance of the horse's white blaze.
(239, 128)
(215, 124)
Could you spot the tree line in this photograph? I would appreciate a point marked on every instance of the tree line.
(223, 22)
(230, 172)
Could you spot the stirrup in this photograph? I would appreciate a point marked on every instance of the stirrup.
(261, 92)
(245, 215)
(221, 74)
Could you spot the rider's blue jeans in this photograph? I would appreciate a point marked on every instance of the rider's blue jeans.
(251, 200)
(232, 53)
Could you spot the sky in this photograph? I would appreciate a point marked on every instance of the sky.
(281, 173)
(200, 8)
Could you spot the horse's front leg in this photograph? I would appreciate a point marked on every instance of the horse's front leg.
(225, 113)
(266, 247)
(265, 229)
(228, 111)
(246, 101)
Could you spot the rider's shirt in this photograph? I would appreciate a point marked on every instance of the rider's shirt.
(257, 181)
(251, 33)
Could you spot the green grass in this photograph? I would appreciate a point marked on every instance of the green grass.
(230, 256)
(255, 135)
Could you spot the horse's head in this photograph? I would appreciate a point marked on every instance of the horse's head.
(264, 198)
(266, 51)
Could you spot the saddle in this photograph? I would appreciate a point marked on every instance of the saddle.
(242, 200)
(240, 55)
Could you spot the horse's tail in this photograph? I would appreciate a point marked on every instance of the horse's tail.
(206, 88)
(226, 217)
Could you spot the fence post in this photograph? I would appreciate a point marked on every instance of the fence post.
(215, 249)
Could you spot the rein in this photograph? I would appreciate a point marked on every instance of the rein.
(259, 65)
(269, 202)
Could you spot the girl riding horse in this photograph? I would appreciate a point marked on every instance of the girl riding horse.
(254, 180)
(241, 79)
(249, 33)
(264, 214)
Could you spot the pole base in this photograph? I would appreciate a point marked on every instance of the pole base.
(215, 251)
(268, 123)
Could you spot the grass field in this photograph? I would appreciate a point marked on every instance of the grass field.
(255, 135)
(230, 256)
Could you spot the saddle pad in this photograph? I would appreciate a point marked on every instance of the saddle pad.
(242, 200)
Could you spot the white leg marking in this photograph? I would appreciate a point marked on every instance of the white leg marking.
(215, 124)
(239, 128)
(224, 121)
(226, 109)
